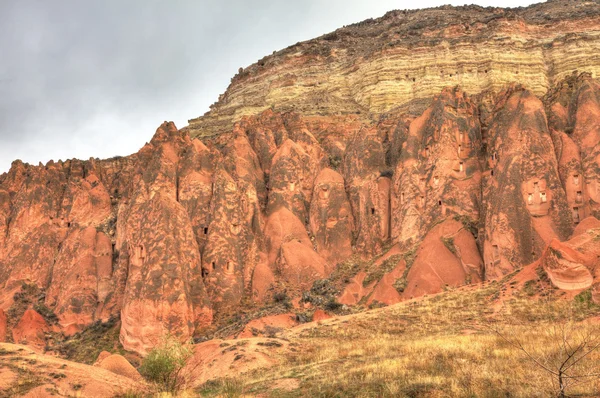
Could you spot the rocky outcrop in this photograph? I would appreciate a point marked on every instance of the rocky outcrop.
(331, 219)
(82, 266)
(439, 172)
(465, 173)
(447, 257)
(355, 290)
(119, 365)
(572, 265)
(158, 250)
(31, 330)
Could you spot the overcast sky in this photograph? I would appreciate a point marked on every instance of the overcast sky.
(96, 78)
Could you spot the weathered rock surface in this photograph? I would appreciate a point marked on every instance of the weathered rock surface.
(448, 256)
(469, 167)
(355, 290)
(119, 365)
(268, 325)
(75, 379)
(573, 264)
(3, 326)
(30, 330)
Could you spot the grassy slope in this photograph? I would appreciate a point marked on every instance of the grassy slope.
(442, 346)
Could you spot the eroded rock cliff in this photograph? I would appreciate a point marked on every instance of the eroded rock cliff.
(387, 188)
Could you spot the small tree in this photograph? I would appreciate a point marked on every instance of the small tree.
(165, 365)
(570, 345)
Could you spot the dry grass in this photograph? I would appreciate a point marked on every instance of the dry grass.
(449, 345)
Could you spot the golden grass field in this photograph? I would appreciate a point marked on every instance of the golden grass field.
(461, 343)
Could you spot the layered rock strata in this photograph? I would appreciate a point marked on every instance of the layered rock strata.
(406, 57)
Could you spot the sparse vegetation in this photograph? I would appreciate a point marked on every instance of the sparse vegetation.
(584, 299)
(26, 380)
(321, 294)
(46, 313)
(386, 266)
(571, 350)
(410, 256)
(438, 346)
(400, 284)
(30, 295)
(335, 161)
(85, 346)
(131, 394)
(229, 388)
(530, 288)
(467, 223)
(449, 243)
(283, 299)
(165, 365)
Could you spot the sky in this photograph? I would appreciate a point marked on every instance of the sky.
(81, 79)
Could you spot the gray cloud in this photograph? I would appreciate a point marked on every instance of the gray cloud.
(95, 78)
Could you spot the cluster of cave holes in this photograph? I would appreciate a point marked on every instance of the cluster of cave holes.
(495, 255)
(451, 74)
(61, 222)
(579, 195)
(578, 199)
(576, 218)
(542, 195)
(229, 267)
(494, 158)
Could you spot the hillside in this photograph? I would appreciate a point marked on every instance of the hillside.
(446, 149)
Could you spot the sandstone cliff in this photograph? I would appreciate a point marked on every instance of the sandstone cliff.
(419, 167)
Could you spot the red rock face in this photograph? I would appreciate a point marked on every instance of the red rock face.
(355, 290)
(368, 190)
(3, 325)
(188, 231)
(448, 256)
(82, 265)
(290, 251)
(385, 292)
(31, 330)
(572, 265)
(438, 175)
(526, 206)
(331, 220)
(164, 291)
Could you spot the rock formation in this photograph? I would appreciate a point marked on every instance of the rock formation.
(406, 57)
(467, 139)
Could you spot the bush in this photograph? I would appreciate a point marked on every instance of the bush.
(584, 299)
(165, 365)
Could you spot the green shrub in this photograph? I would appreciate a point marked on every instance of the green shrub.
(332, 305)
(400, 285)
(165, 365)
(584, 299)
